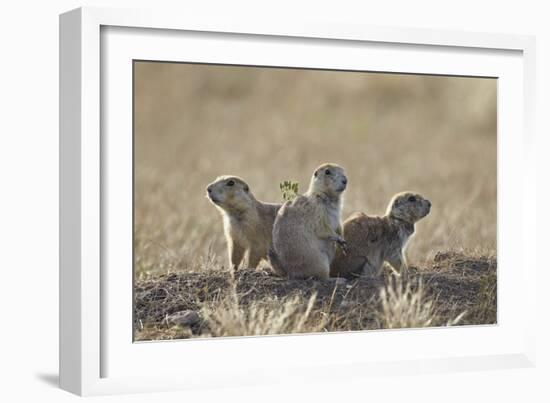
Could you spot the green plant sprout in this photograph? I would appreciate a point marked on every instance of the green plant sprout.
(289, 189)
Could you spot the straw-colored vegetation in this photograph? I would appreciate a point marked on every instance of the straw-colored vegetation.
(229, 317)
(433, 135)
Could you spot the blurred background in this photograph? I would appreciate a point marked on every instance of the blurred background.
(435, 135)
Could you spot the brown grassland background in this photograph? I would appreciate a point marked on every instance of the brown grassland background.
(391, 132)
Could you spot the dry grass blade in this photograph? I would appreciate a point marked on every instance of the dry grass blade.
(455, 321)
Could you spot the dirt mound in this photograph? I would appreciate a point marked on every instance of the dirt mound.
(168, 306)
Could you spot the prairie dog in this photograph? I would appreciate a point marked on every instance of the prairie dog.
(307, 229)
(375, 240)
(247, 222)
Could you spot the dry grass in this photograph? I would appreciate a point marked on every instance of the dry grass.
(485, 309)
(405, 304)
(230, 317)
(451, 290)
(433, 135)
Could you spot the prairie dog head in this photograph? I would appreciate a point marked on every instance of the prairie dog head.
(230, 193)
(329, 179)
(409, 207)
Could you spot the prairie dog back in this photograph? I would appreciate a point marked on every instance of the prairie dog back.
(373, 241)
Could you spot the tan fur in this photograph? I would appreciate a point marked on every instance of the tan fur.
(307, 229)
(375, 240)
(247, 222)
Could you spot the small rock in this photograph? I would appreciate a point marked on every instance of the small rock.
(186, 318)
(345, 304)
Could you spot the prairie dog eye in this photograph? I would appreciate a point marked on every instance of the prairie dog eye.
(327, 171)
(412, 199)
(230, 183)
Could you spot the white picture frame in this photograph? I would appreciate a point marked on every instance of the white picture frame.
(96, 354)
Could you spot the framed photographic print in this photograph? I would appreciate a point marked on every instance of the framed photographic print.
(257, 201)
